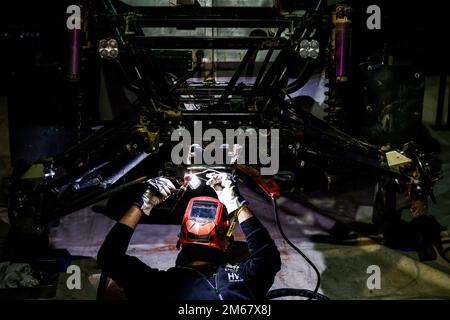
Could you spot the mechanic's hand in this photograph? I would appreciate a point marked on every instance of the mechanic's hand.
(156, 191)
(226, 190)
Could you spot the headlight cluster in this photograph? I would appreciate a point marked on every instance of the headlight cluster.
(309, 49)
(108, 49)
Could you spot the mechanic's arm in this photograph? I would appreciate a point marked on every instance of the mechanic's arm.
(132, 217)
(127, 270)
(245, 214)
(264, 262)
(112, 257)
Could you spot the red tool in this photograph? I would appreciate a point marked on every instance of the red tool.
(268, 185)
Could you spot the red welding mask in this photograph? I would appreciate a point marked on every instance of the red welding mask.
(205, 223)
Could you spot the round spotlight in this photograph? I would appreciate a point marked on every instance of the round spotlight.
(313, 54)
(103, 43)
(314, 44)
(304, 53)
(112, 43)
(304, 44)
(114, 53)
(104, 53)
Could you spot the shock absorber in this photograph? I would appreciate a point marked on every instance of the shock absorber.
(337, 70)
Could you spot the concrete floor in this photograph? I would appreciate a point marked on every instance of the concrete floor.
(343, 267)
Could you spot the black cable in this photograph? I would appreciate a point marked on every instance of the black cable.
(284, 292)
(314, 293)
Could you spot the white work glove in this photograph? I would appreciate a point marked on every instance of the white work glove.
(226, 190)
(156, 191)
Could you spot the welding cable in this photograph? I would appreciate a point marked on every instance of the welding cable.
(295, 292)
(291, 292)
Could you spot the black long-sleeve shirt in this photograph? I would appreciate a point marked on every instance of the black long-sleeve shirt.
(247, 280)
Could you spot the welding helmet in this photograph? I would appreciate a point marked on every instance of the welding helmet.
(205, 223)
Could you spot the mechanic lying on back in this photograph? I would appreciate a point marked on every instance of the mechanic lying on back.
(203, 273)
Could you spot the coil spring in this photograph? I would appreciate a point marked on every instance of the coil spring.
(334, 108)
(336, 87)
